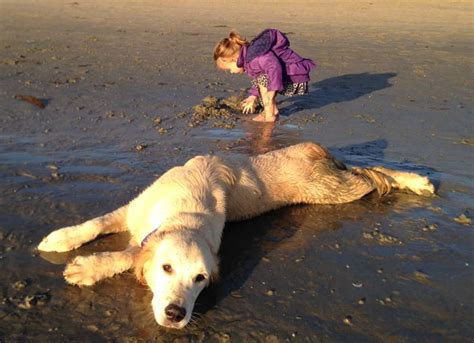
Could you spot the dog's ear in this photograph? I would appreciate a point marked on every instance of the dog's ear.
(142, 262)
(214, 277)
(144, 258)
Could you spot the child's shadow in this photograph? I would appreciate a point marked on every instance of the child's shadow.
(338, 89)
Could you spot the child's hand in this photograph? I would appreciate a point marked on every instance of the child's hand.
(248, 105)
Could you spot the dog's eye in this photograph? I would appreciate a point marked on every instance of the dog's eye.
(167, 268)
(199, 278)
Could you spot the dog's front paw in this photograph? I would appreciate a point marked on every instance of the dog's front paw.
(82, 271)
(60, 241)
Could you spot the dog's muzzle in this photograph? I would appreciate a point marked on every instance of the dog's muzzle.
(175, 313)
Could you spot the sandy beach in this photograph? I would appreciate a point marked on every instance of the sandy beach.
(128, 91)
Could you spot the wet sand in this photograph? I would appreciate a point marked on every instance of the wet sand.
(121, 81)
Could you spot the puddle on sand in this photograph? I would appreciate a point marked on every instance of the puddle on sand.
(252, 138)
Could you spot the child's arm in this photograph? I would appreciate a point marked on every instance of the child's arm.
(253, 91)
(271, 66)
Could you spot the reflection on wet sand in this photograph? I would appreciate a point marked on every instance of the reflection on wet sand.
(260, 138)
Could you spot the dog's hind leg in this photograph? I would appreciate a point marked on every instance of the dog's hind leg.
(356, 182)
(405, 180)
(331, 182)
(384, 180)
(87, 270)
(72, 237)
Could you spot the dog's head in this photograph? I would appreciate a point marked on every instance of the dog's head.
(177, 266)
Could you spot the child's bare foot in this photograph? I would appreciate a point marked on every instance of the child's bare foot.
(265, 119)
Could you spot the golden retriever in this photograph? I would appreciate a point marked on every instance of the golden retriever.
(176, 223)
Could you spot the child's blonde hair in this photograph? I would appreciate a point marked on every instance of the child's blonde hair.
(229, 46)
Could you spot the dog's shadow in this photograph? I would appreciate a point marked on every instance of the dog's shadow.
(246, 244)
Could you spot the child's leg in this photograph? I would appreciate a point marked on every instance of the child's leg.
(270, 111)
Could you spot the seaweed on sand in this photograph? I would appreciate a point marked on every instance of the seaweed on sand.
(223, 112)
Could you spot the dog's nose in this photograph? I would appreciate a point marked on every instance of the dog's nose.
(175, 313)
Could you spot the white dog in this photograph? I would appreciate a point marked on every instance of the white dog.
(176, 224)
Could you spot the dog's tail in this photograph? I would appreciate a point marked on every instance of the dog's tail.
(380, 181)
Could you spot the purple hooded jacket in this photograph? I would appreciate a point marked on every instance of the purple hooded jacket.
(269, 53)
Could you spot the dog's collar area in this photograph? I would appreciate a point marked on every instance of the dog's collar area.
(147, 237)
(195, 223)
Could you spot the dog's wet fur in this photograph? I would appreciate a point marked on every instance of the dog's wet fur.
(176, 223)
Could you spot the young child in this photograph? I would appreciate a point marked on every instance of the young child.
(272, 65)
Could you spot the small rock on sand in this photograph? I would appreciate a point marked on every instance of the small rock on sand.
(347, 320)
(141, 147)
(463, 220)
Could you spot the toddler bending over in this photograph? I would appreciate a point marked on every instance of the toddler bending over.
(272, 65)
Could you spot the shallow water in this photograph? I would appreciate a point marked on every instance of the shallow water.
(375, 269)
